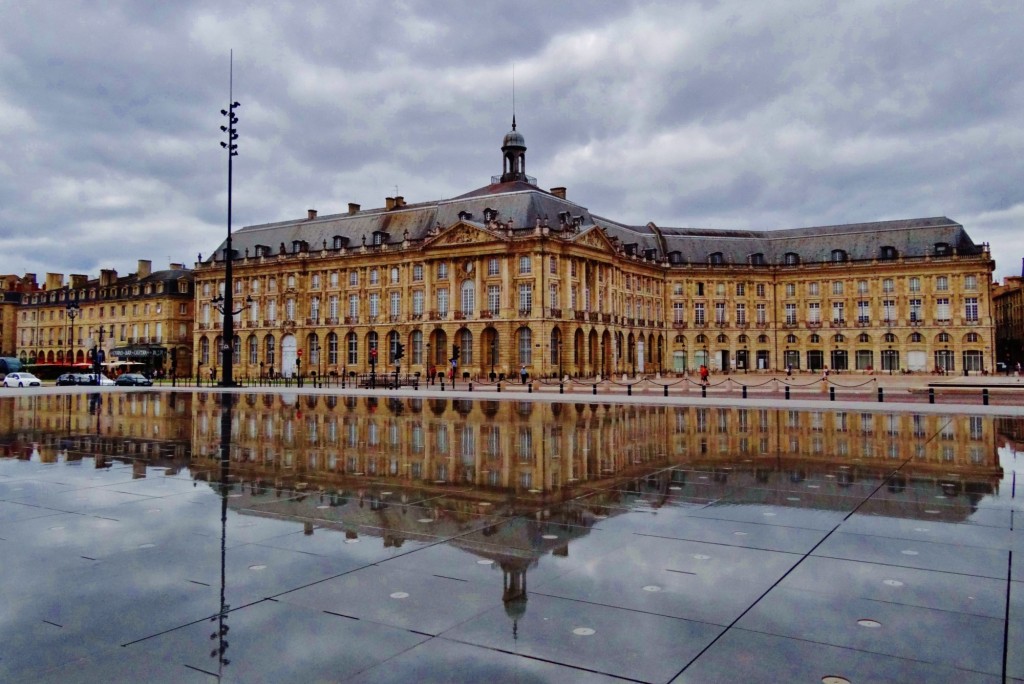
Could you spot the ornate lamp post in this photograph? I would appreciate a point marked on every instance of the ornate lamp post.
(224, 303)
(73, 311)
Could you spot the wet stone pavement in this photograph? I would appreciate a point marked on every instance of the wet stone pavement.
(195, 538)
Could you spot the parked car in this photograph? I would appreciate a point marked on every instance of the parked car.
(20, 379)
(104, 380)
(134, 379)
(74, 379)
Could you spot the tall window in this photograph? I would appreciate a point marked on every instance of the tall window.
(353, 306)
(374, 304)
(374, 276)
(741, 289)
(204, 351)
(524, 264)
(417, 302)
(888, 285)
(698, 312)
(270, 351)
(864, 311)
(678, 312)
(314, 308)
(272, 310)
(468, 297)
(417, 346)
(395, 307)
(254, 350)
(353, 278)
(838, 312)
(762, 313)
(791, 314)
(525, 344)
(814, 312)
(741, 314)
(289, 309)
(492, 266)
(332, 349)
(314, 350)
(915, 310)
(525, 298)
(941, 283)
(394, 275)
(465, 348)
(759, 289)
(791, 289)
(889, 310)
(914, 284)
(352, 349)
(719, 312)
(971, 309)
(942, 309)
(417, 272)
(332, 310)
(970, 282)
(442, 271)
(494, 299)
(837, 287)
(812, 289)
(442, 301)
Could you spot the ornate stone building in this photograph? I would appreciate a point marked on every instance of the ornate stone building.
(145, 317)
(1008, 304)
(513, 276)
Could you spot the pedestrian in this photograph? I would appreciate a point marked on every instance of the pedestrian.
(523, 373)
(703, 374)
(1018, 369)
(789, 369)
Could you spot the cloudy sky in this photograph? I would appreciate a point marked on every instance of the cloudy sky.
(709, 114)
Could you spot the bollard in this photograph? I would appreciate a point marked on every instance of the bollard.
(471, 386)
(744, 391)
(787, 391)
(499, 387)
(704, 391)
(629, 390)
(881, 395)
(666, 390)
(595, 388)
(561, 388)
(831, 393)
(984, 396)
(931, 395)
(529, 388)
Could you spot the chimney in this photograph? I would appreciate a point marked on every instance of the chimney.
(177, 267)
(310, 214)
(145, 268)
(108, 276)
(399, 201)
(353, 208)
(558, 192)
(78, 280)
(54, 281)
(389, 203)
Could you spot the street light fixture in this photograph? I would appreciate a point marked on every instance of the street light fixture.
(73, 311)
(224, 303)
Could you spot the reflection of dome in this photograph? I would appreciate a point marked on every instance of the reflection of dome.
(514, 139)
(516, 608)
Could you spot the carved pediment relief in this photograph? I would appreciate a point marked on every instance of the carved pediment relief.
(463, 234)
(595, 238)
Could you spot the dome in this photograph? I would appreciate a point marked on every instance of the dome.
(514, 139)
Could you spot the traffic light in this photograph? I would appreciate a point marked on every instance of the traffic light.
(455, 352)
(399, 351)
(373, 357)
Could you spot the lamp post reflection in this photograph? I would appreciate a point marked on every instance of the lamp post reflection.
(221, 618)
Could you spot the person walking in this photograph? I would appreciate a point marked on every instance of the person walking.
(703, 375)
(523, 373)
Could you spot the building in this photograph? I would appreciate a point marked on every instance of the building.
(11, 287)
(144, 318)
(510, 276)
(1008, 305)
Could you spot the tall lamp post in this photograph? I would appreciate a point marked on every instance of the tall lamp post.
(225, 303)
(73, 311)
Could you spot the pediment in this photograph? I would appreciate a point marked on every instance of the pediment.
(463, 233)
(595, 237)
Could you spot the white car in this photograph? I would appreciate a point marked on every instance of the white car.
(21, 380)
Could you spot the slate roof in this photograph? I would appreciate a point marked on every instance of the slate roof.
(524, 204)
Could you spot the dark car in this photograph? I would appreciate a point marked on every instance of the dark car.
(134, 379)
(74, 379)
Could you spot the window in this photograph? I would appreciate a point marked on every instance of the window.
(915, 310)
(916, 337)
(442, 302)
(525, 298)
(333, 282)
(814, 312)
(741, 314)
(269, 351)
(888, 338)
(492, 266)
(889, 252)
(353, 278)
(375, 304)
(254, 350)
(353, 306)
(889, 310)
(791, 314)
(942, 309)
(715, 259)
(719, 289)
(352, 345)
(838, 256)
(272, 310)
(719, 312)
(941, 284)
(790, 289)
(678, 312)
(812, 289)
(700, 289)
(761, 313)
(494, 299)
(943, 337)
(332, 349)
(887, 285)
(468, 297)
(525, 345)
(698, 313)
(314, 282)
(525, 264)
(374, 276)
(394, 275)
(791, 259)
(417, 302)
(291, 282)
(395, 308)
(862, 287)
(757, 259)
(972, 338)
(970, 282)
(837, 287)
(760, 289)
(838, 315)
(442, 271)
(791, 339)
(971, 309)
(314, 308)
(863, 311)
(914, 284)
(417, 273)
(332, 307)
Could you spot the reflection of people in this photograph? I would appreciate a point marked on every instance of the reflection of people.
(522, 373)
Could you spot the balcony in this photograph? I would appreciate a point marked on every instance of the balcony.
(838, 323)
(606, 318)
(417, 317)
(486, 314)
(762, 325)
(593, 316)
(525, 313)
(721, 324)
(556, 313)
(863, 322)
(630, 322)
(371, 319)
(394, 318)
(332, 321)
(312, 321)
(460, 315)
(250, 324)
(579, 315)
(351, 320)
(742, 325)
(789, 325)
(200, 326)
(813, 325)
(679, 325)
(700, 324)
(270, 323)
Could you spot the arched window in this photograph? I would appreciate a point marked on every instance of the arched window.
(701, 339)
(942, 337)
(916, 337)
(864, 338)
(838, 337)
(417, 346)
(762, 339)
(722, 339)
(815, 339)
(679, 339)
(742, 339)
(351, 349)
(465, 347)
(972, 338)
(468, 297)
(791, 339)
(269, 351)
(791, 259)
(524, 342)
(889, 338)
(838, 256)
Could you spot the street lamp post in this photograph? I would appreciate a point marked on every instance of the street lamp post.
(890, 359)
(429, 364)
(558, 344)
(226, 303)
(73, 311)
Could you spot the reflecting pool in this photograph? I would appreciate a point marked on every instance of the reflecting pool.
(271, 537)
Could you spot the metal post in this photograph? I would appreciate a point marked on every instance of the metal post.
(561, 387)
(881, 395)
(984, 396)
(931, 395)
(703, 391)
(831, 393)
(744, 391)
(787, 391)
(665, 386)
(595, 388)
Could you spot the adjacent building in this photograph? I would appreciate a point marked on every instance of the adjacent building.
(1008, 305)
(510, 276)
(144, 318)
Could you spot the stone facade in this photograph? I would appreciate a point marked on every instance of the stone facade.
(1008, 304)
(515, 276)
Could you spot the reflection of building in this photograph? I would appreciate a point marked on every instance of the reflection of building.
(145, 318)
(1008, 307)
(515, 276)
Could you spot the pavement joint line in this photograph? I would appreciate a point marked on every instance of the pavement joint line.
(1006, 623)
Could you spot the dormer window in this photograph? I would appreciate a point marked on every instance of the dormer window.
(339, 242)
(296, 246)
(675, 258)
(716, 259)
(757, 259)
(889, 252)
(791, 259)
(838, 256)
(943, 249)
(650, 254)
(262, 250)
(379, 238)
(630, 249)
(466, 216)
